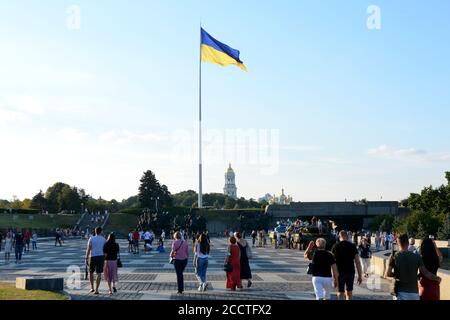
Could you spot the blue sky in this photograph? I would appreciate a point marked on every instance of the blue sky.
(359, 113)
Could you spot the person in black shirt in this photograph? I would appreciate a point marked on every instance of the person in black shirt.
(111, 251)
(346, 256)
(365, 254)
(18, 245)
(324, 269)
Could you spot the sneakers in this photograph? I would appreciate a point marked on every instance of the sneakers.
(203, 286)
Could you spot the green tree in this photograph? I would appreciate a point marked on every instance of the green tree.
(421, 232)
(39, 202)
(61, 197)
(444, 230)
(152, 193)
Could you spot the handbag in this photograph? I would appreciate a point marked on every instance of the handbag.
(310, 269)
(228, 267)
(119, 262)
(174, 253)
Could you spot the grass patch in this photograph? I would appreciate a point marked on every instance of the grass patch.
(38, 221)
(8, 291)
(121, 223)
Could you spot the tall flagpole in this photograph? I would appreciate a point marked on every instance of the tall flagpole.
(200, 195)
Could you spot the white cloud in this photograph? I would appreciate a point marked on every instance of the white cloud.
(388, 152)
(125, 137)
(73, 135)
(19, 109)
(9, 116)
(26, 104)
(384, 151)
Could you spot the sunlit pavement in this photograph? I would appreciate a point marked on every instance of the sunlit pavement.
(277, 274)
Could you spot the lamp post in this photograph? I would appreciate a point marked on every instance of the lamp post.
(157, 198)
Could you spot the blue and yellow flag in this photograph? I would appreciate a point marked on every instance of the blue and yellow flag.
(219, 53)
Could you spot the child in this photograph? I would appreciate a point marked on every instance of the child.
(160, 248)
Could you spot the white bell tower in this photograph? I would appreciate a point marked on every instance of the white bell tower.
(230, 184)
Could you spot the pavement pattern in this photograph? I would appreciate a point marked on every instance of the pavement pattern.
(277, 274)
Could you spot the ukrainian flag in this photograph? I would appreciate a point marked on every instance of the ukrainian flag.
(214, 51)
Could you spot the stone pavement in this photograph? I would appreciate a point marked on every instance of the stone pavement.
(277, 274)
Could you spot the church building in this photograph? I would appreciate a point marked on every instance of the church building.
(230, 184)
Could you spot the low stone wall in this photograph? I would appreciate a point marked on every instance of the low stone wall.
(379, 263)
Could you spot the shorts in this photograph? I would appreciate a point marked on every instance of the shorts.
(96, 264)
(346, 282)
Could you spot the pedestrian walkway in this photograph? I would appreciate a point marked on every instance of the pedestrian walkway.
(277, 274)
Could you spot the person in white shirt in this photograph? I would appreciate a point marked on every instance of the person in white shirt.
(96, 258)
(163, 235)
(412, 248)
(130, 242)
(147, 241)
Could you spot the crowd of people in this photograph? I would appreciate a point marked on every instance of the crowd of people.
(236, 264)
(148, 237)
(414, 270)
(18, 241)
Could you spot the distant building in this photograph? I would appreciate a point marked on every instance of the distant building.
(266, 198)
(230, 189)
(273, 199)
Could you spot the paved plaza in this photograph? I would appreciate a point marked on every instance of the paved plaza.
(277, 274)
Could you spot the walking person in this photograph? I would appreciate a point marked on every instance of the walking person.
(130, 242)
(147, 241)
(324, 271)
(1, 241)
(8, 246)
(136, 238)
(403, 267)
(96, 258)
(179, 256)
(201, 256)
(432, 259)
(246, 272)
(387, 241)
(254, 234)
(233, 259)
(111, 250)
(58, 237)
(365, 255)
(27, 238)
(347, 256)
(18, 245)
(34, 238)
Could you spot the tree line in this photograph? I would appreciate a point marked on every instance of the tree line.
(152, 195)
(430, 214)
